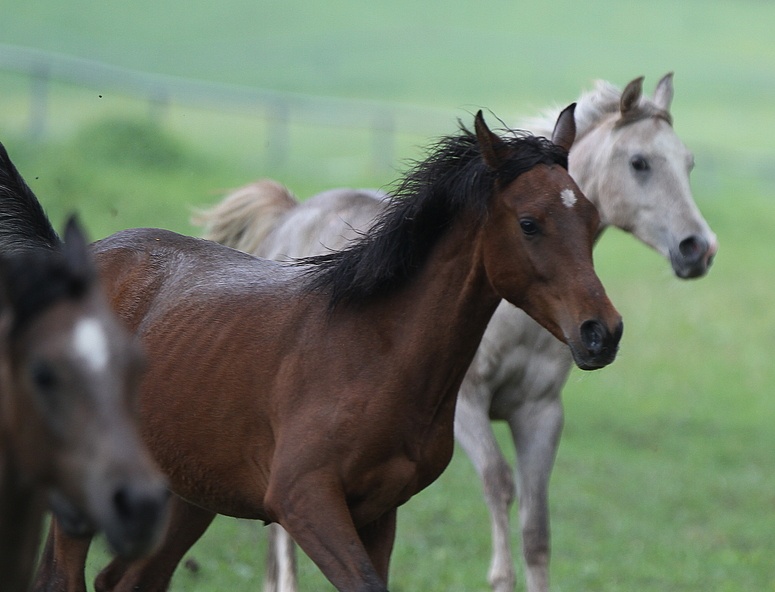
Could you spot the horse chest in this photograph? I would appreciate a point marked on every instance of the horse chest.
(517, 361)
(394, 481)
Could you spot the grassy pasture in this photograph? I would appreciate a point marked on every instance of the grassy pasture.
(664, 480)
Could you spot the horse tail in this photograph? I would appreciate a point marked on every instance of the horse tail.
(245, 217)
(24, 225)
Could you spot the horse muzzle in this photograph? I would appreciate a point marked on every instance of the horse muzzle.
(132, 517)
(74, 522)
(136, 519)
(597, 345)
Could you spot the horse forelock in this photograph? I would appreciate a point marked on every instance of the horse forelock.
(452, 181)
(33, 281)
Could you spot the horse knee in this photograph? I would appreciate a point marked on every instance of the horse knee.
(499, 486)
(535, 547)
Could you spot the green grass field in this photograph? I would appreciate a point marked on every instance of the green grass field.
(665, 479)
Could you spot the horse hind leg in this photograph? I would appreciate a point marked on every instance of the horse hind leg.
(153, 573)
(473, 432)
(281, 569)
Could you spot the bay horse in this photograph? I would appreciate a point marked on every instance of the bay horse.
(68, 375)
(629, 162)
(321, 395)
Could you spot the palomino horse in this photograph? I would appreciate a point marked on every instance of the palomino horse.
(68, 374)
(321, 396)
(632, 166)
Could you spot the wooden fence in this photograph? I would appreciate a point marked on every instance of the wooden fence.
(279, 109)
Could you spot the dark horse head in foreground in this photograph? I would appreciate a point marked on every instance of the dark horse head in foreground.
(69, 372)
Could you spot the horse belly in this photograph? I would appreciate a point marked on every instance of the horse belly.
(204, 417)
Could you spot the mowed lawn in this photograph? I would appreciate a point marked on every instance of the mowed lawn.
(665, 479)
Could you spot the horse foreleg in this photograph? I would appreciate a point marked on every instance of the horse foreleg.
(378, 538)
(153, 573)
(473, 430)
(536, 427)
(313, 510)
(280, 575)
(62, 563)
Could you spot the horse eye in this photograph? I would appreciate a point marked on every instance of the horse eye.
(43, 376)
(639, 163)
(528, 226)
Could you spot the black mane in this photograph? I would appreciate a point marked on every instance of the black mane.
(23, 223)
(452, 180)
(35, 269)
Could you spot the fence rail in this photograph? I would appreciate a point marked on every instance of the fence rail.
(383, 120)
(278, 109)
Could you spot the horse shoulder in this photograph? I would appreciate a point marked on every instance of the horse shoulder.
(129, 276)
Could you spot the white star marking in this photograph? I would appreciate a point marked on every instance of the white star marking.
(91, 343)
(568, 197)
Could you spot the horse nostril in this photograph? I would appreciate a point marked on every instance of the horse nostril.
(139, 515)
(593, 336)
(693, 248)
(138, 505)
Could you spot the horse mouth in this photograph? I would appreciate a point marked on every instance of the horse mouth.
(73, 521)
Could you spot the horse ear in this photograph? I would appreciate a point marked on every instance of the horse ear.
(564, 133)
(493, 148)
(631, 95)
(76, 249)
(663, 94)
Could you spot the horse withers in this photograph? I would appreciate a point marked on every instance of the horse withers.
(69, 372)
(630, 163)
(321, 395)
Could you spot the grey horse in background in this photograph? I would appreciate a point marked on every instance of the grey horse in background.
(630, 163)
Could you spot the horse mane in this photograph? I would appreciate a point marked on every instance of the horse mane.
(452, 180)
(604, 99)
(35, 271)
(23, 223)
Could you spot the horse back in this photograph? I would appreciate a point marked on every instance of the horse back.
(325, 222)
(146, 271)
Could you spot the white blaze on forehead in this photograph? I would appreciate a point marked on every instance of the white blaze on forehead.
(91, 343)
(568, 197)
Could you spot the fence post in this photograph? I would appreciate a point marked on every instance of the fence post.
(39, 81)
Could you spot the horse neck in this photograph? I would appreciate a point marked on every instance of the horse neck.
(443, 313)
